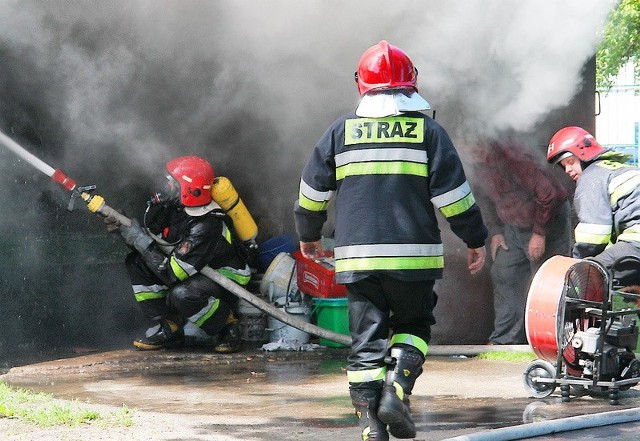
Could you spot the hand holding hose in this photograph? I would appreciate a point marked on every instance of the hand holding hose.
(134, 236)
(111, 223)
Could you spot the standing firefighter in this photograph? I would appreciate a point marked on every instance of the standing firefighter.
(388, 165)
(607, 202)
(184, 231)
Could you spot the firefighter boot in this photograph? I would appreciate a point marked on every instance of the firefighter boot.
(230, 338)
(404, 366)
(365, 401)
(169, 334)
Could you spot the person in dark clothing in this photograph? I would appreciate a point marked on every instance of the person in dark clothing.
(389, 166)
(528, 215)
(184, 230)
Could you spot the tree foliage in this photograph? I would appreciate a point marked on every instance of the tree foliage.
(620, 43)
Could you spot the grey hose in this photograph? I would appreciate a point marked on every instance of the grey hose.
(274, 312)
(249, 297)
(539, 428)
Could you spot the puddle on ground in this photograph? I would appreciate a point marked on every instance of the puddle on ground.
(284, 393)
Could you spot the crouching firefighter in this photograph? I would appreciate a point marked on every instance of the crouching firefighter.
(183, 231)
(388, 166)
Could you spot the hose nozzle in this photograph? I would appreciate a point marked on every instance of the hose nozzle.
(79, 192)
(64, 180)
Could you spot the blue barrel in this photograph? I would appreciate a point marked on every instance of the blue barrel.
(269, 249)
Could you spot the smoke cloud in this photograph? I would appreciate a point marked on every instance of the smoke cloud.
(110, 91)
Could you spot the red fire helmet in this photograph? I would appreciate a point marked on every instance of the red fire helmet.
(385, 66)
(573, 141)
(195, 176)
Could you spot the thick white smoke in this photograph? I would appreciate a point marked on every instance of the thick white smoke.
(252, 84)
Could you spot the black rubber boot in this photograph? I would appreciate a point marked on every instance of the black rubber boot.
(169, 335)
(230, 338)
(365, 400)
(404, 366)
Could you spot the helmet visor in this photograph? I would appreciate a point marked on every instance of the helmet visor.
(169, 191)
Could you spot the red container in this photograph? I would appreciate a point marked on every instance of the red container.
(317, 278)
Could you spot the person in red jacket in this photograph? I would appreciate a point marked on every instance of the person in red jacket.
(527, 212)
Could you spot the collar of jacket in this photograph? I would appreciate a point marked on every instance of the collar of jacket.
(202, 210)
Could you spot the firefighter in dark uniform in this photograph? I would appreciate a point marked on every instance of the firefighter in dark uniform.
(606, 200)
(184, 230)
(388, 166)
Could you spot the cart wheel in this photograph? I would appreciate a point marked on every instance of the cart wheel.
(633, 371)
(539, 369)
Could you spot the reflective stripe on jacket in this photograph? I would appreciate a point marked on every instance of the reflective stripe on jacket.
(386, 177)
(607, 201)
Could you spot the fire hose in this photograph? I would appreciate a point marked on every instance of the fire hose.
(96, 204)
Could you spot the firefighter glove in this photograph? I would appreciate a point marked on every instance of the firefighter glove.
(135, 236)
(112, 223)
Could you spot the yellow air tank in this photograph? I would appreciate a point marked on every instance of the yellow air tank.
(225, 195)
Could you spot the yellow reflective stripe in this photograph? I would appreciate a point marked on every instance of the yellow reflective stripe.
(455, 201)
(623, 184)
(389, 250)
(178, 271)
(213, 307)
(389, 263)
(226, 233)
(399, 390)
(149, 295)
(631, 234)
(596, 234)
(366, 376)
(629, 237)
(612, 165)
(229, 273)
(381, 130)
(458, 207)
(312, 205)
(412, 340)
(389, 257)
(382, 168)
(312, 199)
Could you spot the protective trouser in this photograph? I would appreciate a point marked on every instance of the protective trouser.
(622, 259)
(380, 305)
(197, 299)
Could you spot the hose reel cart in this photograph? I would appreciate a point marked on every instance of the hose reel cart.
(583, 331)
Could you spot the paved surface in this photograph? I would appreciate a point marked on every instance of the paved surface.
(284, 395)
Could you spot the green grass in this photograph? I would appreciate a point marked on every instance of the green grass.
(43, 410)
(508, 356)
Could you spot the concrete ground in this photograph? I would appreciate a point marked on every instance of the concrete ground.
(191, 394)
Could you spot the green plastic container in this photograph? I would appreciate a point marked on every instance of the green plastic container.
(333, 315)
